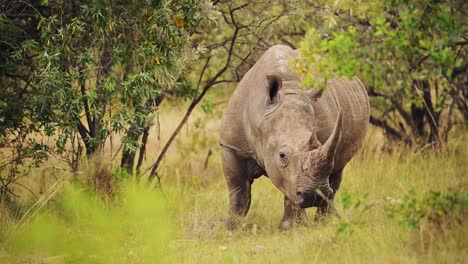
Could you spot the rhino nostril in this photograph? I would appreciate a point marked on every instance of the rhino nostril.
(300, 197)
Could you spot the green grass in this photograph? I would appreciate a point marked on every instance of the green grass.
(185, 224)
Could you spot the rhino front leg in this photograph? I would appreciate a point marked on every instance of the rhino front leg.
(292, 212)
(335, 181)
(239, 186)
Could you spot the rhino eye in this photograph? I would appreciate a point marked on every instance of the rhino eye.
(282, 156)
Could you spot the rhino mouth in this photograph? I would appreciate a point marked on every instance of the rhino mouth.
(310, 200)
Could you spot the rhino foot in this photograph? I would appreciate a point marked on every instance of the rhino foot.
(285, 225)
(232, 224)
(292, 213)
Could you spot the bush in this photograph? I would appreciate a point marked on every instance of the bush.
(436, 210)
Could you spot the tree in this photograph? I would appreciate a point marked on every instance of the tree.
(20, 149)
(410, 54)
(75, 72)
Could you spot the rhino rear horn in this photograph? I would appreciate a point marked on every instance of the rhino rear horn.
(274, 85)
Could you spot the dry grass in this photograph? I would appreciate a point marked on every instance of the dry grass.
(197, 201)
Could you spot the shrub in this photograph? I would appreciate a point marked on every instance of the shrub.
(436, 210)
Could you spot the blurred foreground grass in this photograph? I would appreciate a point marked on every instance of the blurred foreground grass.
(81, 227)
(397, 205)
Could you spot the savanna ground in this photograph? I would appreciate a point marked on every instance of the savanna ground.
(397, 205)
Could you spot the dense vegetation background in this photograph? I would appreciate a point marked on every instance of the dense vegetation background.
(96, 97)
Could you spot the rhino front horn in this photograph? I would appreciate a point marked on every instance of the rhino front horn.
(329, 148)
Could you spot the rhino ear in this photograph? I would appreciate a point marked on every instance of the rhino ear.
(314, 93)
(274, 85)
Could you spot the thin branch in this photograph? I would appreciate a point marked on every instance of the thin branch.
(83, 131)
(287, 42)
(396, 104)
(239, 7)
(85, 102)
(388, 129)
(213, 81)
(26, 188)
(205, 66)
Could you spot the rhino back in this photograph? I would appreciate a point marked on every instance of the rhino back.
(245, 111)
(354, 102)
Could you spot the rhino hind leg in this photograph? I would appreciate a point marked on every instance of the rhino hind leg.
(292, 213)
(335, 182)
(239, 186)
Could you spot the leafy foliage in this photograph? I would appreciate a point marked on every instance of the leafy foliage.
(438, 209)
(79, 71)
(110, 61)
(410, 54)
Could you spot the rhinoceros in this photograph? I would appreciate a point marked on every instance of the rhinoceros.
(301, 140)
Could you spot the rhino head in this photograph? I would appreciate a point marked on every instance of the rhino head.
(296, 162)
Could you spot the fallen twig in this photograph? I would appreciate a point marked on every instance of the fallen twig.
(329, 202)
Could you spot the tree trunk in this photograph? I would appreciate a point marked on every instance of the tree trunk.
(86, 137)
(144, 140)
(431, 115)
(128, 156)
(91, 149)
(417, 114)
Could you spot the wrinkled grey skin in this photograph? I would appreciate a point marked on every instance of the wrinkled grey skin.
(300, 140)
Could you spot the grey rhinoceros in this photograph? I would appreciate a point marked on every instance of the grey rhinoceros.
(301, 140)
